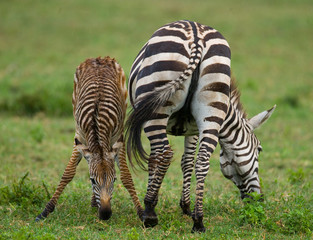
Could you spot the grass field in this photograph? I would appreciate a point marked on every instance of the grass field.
(42, 42)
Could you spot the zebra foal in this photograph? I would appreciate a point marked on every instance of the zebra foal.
(99, 107)
(180, 84)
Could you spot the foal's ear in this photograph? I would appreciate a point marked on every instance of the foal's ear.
(82, 148)
(261, 118)
(77, 142)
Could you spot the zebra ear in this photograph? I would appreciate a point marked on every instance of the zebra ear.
(261, 118)
(77, 142)
(82, 148)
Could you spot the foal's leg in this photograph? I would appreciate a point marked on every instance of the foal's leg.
(67, 176)
(187, 165)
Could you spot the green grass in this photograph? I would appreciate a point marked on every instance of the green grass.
(41, 44)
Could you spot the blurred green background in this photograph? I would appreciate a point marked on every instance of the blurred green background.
(42, 43)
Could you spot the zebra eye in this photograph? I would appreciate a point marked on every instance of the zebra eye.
(260, 149)
(92, 181)
(87, 157)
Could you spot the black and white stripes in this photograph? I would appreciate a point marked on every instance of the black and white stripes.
(239, 150)
(181, 90)
(180, 84)
(239, 146)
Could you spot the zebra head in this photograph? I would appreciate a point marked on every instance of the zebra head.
(102, 177)
(239, 159)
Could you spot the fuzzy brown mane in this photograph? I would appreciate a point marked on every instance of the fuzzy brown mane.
(235, 97)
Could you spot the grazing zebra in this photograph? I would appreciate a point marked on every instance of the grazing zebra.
(239, 150)
(99, 108)
(180, 84)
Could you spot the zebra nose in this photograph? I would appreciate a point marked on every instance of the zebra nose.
(105, 212)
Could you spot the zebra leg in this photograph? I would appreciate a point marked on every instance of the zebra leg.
(152, 163)
(187, 164)
(150, 218)
(126, 178)
(159, 161)
(208, 143)
(67, 177)
(94, 201)
(209, 108)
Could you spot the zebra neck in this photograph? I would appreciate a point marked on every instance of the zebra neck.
(233, 130)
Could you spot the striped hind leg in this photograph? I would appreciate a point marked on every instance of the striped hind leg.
(67, 177)
(209, 107)
(160, 159)
(152, 163)
(208, 141)
(126, 177)
(187, 165)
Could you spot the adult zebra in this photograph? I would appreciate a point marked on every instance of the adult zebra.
(99, 109)
(180, 84)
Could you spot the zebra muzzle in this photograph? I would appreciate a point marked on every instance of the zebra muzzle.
(105, 211)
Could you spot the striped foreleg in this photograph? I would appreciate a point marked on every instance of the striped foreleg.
(187, 165)
(67, 177)
(127, 180)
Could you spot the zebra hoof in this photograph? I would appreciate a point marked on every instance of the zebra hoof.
(150, 221)
(198, 225)
(185, 207)
(150, 218)
(198, 229)
(39, 217)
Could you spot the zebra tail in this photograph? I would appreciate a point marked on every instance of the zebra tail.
(146, 108)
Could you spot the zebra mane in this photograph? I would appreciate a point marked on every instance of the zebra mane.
(235, 97)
